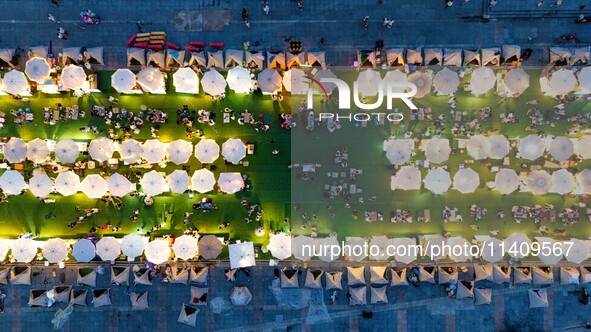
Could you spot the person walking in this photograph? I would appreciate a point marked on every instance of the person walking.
(365, 21)
(449, 3)
(266, 8)
(52, 18)
(300, 5)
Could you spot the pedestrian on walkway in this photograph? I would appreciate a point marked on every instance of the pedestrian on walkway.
(61, 30)
(55, 3)
(465, 2)
(449, 3)
(52, 18)
(540, 3)
(492, 3)
(266, 8)
(557, 4)
(322, 41)
(301, 5)
(365, 21)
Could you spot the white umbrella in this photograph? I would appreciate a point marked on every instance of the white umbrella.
(326, 73)
(150, 79)
(229, 182)
(202, 181)
(131, 151)
(408, 178)
(517, 81)
(37, 151)
(563, 81)
(24, 250)
(179, 151)
(118, 185)
(178, 181)
(153, 151)
(55, 250)
(157, 251)
(499, 146)
(67, 183)
(240, 296)
(466, 180)
(539, 182)
(213, 83)
(552, 256)
(3, 249)
(578, 251)
(437, 180)
(108, 248)
(381, 243)
(40, 185)
(73, 77)
(431, 243)
(185, 247)
(241, 255)
(153, 183)
(101, 149)
(185, 80)
(209, 247)
(295, 81)
(233, 150)
(269, 81)
(239, 80)
(531, 147)
(517, 244)
(369, 82)
(280, 246)
(37, 69)
(297, 245)
(398, 151)
(327, 242)
(94, 186)
(561, 148)
(408, 255)
(207, 151)
(446, 82)
(422, 81)
(478, 147)
(132, 245)
(123, 80)
(458, 255)
(66, 151)
(437, 150)
(15, 82)
(482, 80)
(356, 254)
(12, 182)
(492, 250)
(395, 77)
(506, 181)
(563, 182)
(583, 146)
(15, 150)
(83, 251)
(583, 181)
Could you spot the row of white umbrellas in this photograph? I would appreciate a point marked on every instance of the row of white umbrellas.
(109, 248)
(95, 186)
(532, 147)
(38, 70)
(131, 151)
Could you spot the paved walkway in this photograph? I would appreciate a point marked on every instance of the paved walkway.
(418, 24)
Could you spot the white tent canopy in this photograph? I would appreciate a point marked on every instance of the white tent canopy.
(153, 151)
(153, 183)
(66, 151)
(511, 53)
(561, 148)
(234, 58)
(466, 180)
(433, 56)
(213, 83)
(15, 150)
(539, 182)
(280, 246)
(157, 251)
(40, 185)
(408, 178)
(230, 182)
(178, 181)
(15, 83)
(437, 150)
(179, 151)
(108, 248)
(185, 80)
(118, 185)
(37, 151)
(37, 69)
(185, 247)
(478, 147)
(215, 59)
(133, 245)
(151, 79)
(67, 183)
(538, 298)
(73, 77)
(203, 181)
(240, 295)
(233, 150)
(506, 181)
(531, 147)
(241, 255)
(499, 146)
(207, 151)
(94, 186)
(563, 182)
(563, 81)
(269, 81)
(12, 182)
(452, 57)
(239, 80)
(517, 81)
(83, 251)
(101, 149)
(437, 180)
(123, 80)
(482, 80)
(446, 82)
